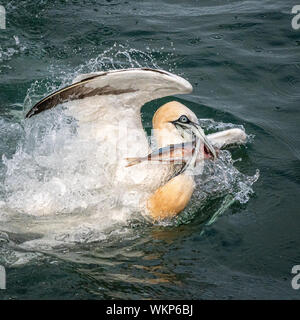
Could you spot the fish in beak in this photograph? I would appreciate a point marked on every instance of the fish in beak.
(183, 124)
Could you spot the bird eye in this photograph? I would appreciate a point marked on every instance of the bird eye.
(184, 119)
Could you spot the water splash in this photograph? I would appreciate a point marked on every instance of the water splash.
(220, 181)
(6, 54)
(49, 166)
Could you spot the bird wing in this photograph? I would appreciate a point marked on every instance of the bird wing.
(228, 137)
(142, 85)
(106, 100)
(107, 106)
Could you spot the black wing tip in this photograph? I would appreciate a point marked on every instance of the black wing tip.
(30, 113)
(34, 110)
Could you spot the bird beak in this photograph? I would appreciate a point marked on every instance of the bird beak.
(198, 132)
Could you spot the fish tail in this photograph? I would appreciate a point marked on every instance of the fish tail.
(132, 161)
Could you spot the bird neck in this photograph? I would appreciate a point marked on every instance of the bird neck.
(171, 198)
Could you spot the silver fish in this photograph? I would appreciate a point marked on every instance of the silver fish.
(173, 153)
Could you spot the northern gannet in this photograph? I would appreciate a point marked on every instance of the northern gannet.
(107, 106)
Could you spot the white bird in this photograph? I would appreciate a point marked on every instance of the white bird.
(107, 106)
